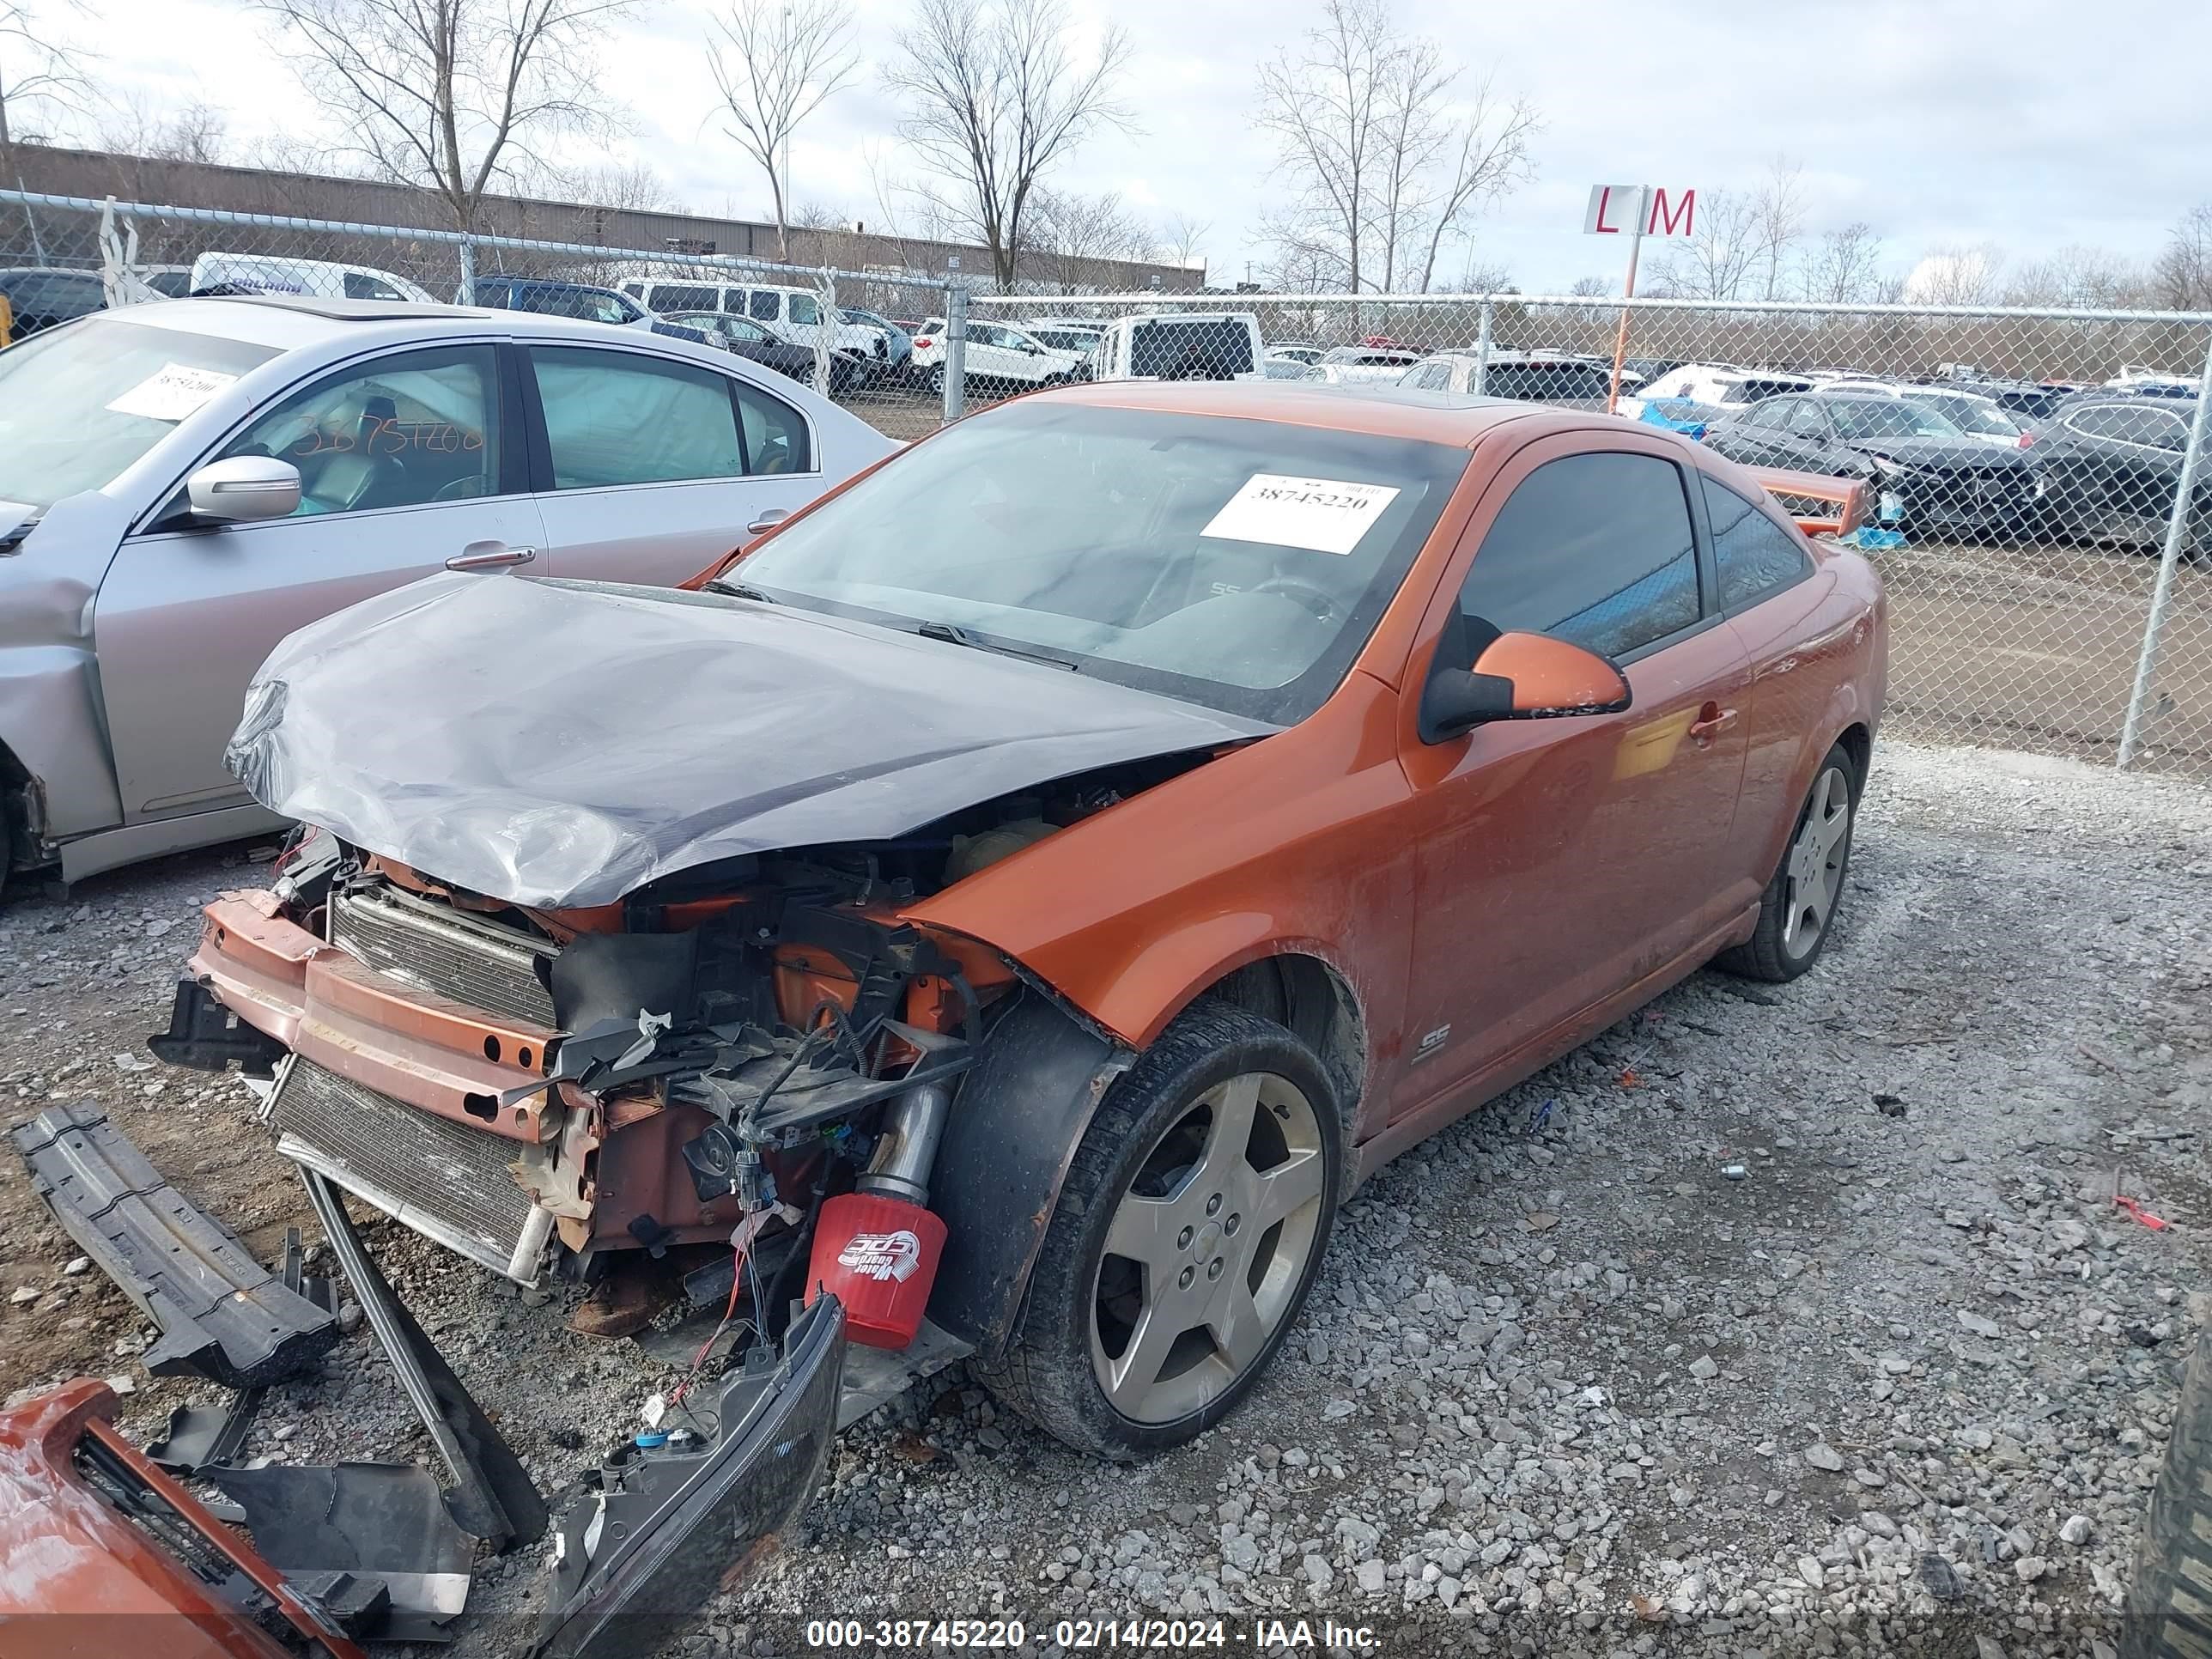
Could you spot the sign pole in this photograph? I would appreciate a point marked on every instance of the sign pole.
(1627, 293)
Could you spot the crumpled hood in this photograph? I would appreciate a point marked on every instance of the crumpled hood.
(559, 744)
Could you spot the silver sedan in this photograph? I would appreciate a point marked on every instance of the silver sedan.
(183, 484)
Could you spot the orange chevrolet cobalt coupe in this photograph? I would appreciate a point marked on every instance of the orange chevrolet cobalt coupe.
(1020, 896)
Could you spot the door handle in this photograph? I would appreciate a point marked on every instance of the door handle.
(768, 521)
(1712, 721)
(490, 556)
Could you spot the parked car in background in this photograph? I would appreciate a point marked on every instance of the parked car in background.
(1063, 336)
(795, 314)
(40, 297)
(1717, 385)
(1568, 382)
(578, 301)
(1000, 360)
(763, 345)
(1926, 476)
(1297, 352)
(1974, 414)
(187, 482)
(1281, 366)
(2032, 400)
(1365, 365)
(2109, 465)
(1181, 345)
(895, 362)
(232, 273)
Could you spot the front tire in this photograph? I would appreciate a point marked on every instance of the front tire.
(1797, 912)
(1185, 1242)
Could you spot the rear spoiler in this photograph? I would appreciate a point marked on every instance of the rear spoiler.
(1821, 505)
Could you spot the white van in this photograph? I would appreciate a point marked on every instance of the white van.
(263, 273)
(1181, 345)
(794, 313)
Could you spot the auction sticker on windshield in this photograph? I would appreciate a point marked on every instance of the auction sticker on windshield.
(1325, 515)
(173, 391)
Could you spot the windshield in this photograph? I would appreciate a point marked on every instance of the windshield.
(1886, 417)
(1236, 564)
(1968, 414)
(80, 404)
(1062, 339)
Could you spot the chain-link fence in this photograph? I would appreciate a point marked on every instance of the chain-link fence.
(2041, 516)
(849, 332)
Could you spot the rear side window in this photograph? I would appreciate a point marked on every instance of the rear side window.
(763, 306)
(1595, 549)
(1754, 555)
(614, 417)
(803, 310)
(361, 286)
(676, 296)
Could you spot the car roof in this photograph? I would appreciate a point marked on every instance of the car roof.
(291, 322)
(1382, 411)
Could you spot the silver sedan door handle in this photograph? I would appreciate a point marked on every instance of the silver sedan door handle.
(490, 556)
(768, 521)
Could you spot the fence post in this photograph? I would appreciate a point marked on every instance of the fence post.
(467, 271)
(956, 352)
(1482, 347)
(2177, 538)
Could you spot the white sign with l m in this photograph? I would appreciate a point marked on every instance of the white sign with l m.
(1615, 210)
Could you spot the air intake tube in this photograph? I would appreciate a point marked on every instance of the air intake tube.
(876, 1250)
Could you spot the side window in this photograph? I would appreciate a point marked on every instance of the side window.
(1431, 377)
(762, 306)
(613, 417)
(1753, 554)
(678, 296)
(804, 312)
(407, 429)
(1592, 548)
(1806, 420)
(775, 432)
(360, 285)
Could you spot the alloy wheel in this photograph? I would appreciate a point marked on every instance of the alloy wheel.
(1816, 863)
(1207, 1248)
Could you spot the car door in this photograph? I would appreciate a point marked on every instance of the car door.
(1562, 862)
(407, 460)
(992, 357)
(1806, 441)
(1748, 435)
(649, 468)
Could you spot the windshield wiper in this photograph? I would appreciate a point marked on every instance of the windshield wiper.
(953, 634)
(736, 591)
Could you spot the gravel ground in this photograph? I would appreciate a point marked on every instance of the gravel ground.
(1774, 1321)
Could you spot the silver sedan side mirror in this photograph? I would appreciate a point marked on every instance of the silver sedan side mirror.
(244, 487)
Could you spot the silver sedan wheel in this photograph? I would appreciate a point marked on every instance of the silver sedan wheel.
(1207, 1248)
(1816, 864)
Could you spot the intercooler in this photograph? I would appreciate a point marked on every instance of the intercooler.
(437, 948)
(446, 1181)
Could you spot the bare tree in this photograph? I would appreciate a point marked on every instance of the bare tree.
(197, 133)
(1743, 246)
(993, 99)
(785, 58)
(1956, 276)
(38, 73)
(2078, 276)
(1077, 239)
(2181, 276)
(1845, 269)
(631, 187)
(1184, 239)
(1590, 288)
(1385, 162)
(451, 95)
(1778, 223)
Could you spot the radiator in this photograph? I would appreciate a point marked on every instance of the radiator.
(447, 1181)
(437, 948)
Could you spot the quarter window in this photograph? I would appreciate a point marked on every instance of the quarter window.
(615, 418)
(1595, 549)
(1753, 554)
(411, 428)
(774, 433)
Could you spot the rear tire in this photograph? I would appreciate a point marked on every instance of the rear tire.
(1214, 1161)
(2170, 1603)
(1797, 911)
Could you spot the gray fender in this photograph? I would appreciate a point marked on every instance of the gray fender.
(50, 722)
(1021, 1112)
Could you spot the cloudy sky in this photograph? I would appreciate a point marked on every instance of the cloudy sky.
(2030, 124)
